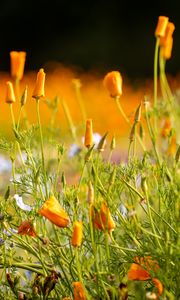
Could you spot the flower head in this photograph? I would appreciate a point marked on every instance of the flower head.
(113, 83)
(167, 49)
(166, 128)
(77, 234)
(53, 211)
(10, 96)
(161, 26)
(141, 270)
(168, 34)
(78, 291)
(102, 218)
(17, 64)
(39, 86)
(26, 228)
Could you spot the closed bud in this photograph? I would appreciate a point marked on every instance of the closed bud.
(161, 26)
(132, 133)
(24, 97)
(39, 86)
(168, 34)
(17, 64)
(10, 96)
(88, 139)
(113, 83)
(144, 184)
(77, 234)
(167, 49)
(137, 116)
(89, 154)
(113, 143)
(102, 143)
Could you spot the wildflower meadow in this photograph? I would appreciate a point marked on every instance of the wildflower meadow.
(78, 220)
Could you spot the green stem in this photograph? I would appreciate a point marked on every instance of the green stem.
(69, 120)
(128, 122)
(155, 79)
(42, 146)
(12, 116)
(19, 118)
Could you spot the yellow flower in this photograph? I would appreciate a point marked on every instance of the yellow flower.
(78, 291)
(39, 86)
(168, 34)
(113, 83)
(77, 234)
(167, 49)
(10, 96)
(53, 211)
(88, 139)
(17, 64)
(161, 26)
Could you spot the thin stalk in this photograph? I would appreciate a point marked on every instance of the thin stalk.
(128, 122)
(80, 102)
(12, 116)
(19, 118)
(42, 146)
(155, 79)
(69, 120)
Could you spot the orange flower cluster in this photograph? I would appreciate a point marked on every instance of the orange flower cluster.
(78, 290)
(141, 271)
(113, 83)
(77, 234)
(26, 228)
(102, 219)
(53, 211)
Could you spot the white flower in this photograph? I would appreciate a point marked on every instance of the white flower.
(123, 210)
(74, 149)
(5, 164)
(21, 204)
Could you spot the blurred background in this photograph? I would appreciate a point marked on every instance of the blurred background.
(100, 35)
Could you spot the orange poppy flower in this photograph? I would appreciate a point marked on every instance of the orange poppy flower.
(17, 64)
(39, 86)
(161, 26)
(78, 291)
(77, 234)
(26, 228)
(102, 219)
(88, 139)
(140, 270)
(53, 211)
(10, 96)
(166, 128)
(113, 83)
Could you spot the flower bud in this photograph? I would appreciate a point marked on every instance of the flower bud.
(161, 26)
(88, 139)
(78, 291)
(113, 83)
(167, 49)
(39, 86)
(17, 64)
(10, 96)
(168, 34)
(77, 234)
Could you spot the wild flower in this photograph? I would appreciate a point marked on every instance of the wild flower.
(21, 204)
(53, 211)
(88, 138)
(78, 291)
(10, 96)
(161, 26)
(102, 218)
(26, 228)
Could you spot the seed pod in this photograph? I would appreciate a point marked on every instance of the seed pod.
(24, 97)
(102, 143)
(113, 143)
(132, 133)
(137, 116)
